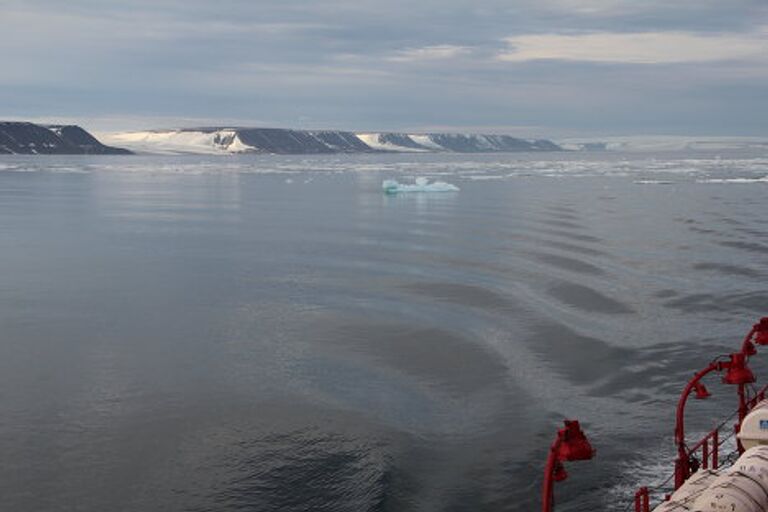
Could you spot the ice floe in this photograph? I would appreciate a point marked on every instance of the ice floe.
(651, 143)
(653, 182)
(420, 185)
(764, 179)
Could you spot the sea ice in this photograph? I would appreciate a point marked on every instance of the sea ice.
(764, 179)
(420, 185)
(653, 182)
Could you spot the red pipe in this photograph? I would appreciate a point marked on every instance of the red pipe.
(682, 465)
(738, 374)
(549, 474)
(569, 445)
(742, 414)
(642, 500)
(745, 345)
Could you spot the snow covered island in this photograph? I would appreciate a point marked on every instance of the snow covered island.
(285, 141)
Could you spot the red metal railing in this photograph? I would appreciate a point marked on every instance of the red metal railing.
(709, 459)
(642, 500)
(706, 452)
(571, 443)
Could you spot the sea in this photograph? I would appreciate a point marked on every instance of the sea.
(276, 333)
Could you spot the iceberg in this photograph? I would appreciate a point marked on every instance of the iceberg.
(420, 185)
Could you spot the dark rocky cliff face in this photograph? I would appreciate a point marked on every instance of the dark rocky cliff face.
(32, 139)
(285, 141)
(468, 143)
(400, 139)
(341, 142)
(280, 141)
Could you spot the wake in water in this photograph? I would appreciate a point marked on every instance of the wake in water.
(324, 343)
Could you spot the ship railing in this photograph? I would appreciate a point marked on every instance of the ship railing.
(709, 445)
(642, 500)
(571, 443)
(705, 454)
(710, 450)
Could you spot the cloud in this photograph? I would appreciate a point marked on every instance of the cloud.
(370, 65)
(597, 7)
(436, 52)
(28, 26)
(637, 48)
(629, 7)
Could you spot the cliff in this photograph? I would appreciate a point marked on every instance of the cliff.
(213, 140)
(32, 139)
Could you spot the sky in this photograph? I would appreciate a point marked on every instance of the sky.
(524, 67)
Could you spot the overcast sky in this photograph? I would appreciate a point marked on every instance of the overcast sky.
(537, 67)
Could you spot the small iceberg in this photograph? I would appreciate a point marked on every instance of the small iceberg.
(420, 185)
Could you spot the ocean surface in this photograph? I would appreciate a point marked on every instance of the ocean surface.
(274, 333)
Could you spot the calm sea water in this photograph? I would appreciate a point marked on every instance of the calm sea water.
(274, 333)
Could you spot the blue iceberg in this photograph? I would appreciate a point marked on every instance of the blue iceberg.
(420, 185)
